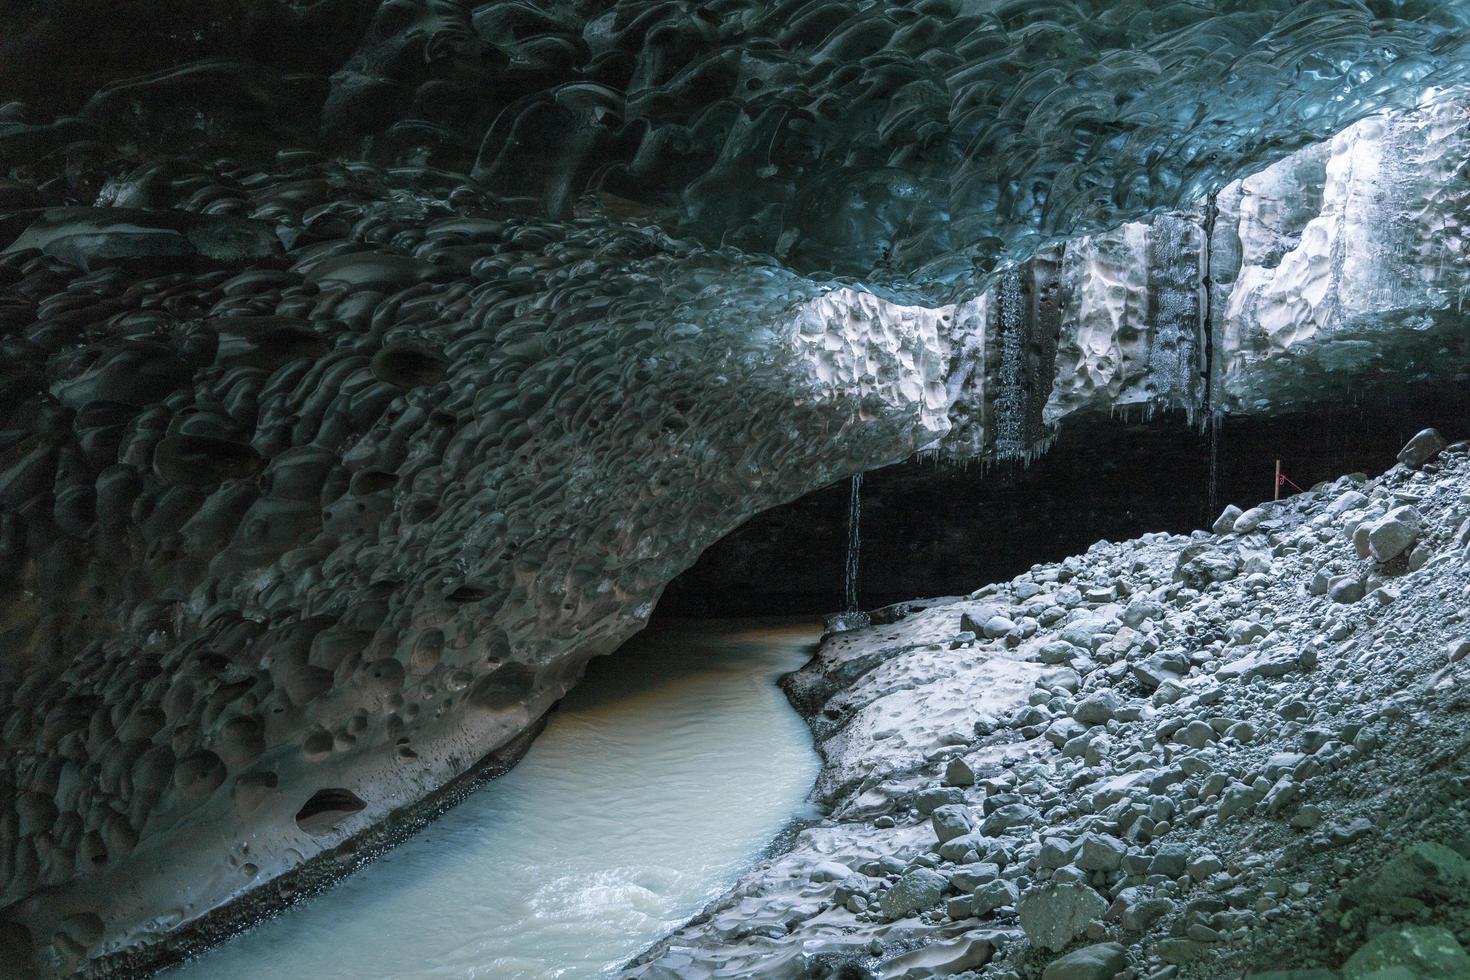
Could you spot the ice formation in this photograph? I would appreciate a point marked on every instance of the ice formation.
(357, 391)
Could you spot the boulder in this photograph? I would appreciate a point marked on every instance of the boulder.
(1102, 961)
(1390, 537)
(1225, 523)
(951, 821)
(992, 895)
(1420, 952)
(919, 889)
(1249, 521)
(1055, 914)
(1422, 448)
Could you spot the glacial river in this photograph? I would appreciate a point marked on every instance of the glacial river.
(658, 782)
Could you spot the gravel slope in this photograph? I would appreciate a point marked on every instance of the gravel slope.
(1199, 756)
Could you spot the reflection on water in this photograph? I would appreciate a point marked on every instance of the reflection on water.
(660, 780)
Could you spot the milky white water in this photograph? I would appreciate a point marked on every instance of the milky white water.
(658, 782)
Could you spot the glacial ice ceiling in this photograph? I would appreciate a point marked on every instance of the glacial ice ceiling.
(909, 144)
(368, 367)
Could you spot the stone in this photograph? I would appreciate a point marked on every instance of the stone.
(1197, 734)
(1101, 961)
(1100, 852)
(996, 627)
(1055, 914)
(1390, 537)
(1424, 870)
(1422, 448)
(1225, 523)
(957, 772)
(951, 821)
(1203, 866)
(1181, 951)
(1171, 861)
(931, 798)
(919, 889)
(1425, 952)
(1097, 709)
(1348, 500)
(1007, 817)
(1141, 915)
(1249, 521)
(1346, 589)
(993, 895)
(968, 877)
(1271, 662)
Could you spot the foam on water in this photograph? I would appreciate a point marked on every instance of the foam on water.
(658, 782)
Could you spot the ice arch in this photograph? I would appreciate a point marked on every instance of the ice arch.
(324, 470)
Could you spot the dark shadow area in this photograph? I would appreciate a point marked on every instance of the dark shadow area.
(934, 529)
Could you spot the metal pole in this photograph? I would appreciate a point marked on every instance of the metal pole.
(1277, 487)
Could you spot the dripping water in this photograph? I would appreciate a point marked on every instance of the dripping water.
(1214, 492)
(852, 616)
(1207, 337)
(854, 546)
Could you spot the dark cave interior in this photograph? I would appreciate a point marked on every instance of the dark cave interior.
(934, 528)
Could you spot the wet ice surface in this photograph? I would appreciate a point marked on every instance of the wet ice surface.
(657, 783)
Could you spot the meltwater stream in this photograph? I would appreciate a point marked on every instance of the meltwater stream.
(660, 780)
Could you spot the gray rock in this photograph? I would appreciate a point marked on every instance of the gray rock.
(1171, 861)
(1139, 916)
(1140, 611)
(931, 798)
(1100, 852)
(1273, 662)
(1097, 709)
(1422, 870)
(917, 890)
(1203, 866)
(993, 895)
(1180, 951)
(966, 847)
(968, 877)
(1249, 521)
(951, 821)
(958, 773)
(1225, 523)
(974, 620)
(1390, 537)
(1100, 962)
(1422, 952)
(1346, 589)
(1006, 817)
(1200, 565)
(1197, 734)
(1351, 500)
(995, 627)
(1422, 448)
(1055, 914)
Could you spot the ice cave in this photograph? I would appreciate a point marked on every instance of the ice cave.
(663, 489)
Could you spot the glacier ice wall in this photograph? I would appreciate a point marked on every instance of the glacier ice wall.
(356, 391)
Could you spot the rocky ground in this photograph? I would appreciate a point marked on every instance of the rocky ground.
(1206, 756)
